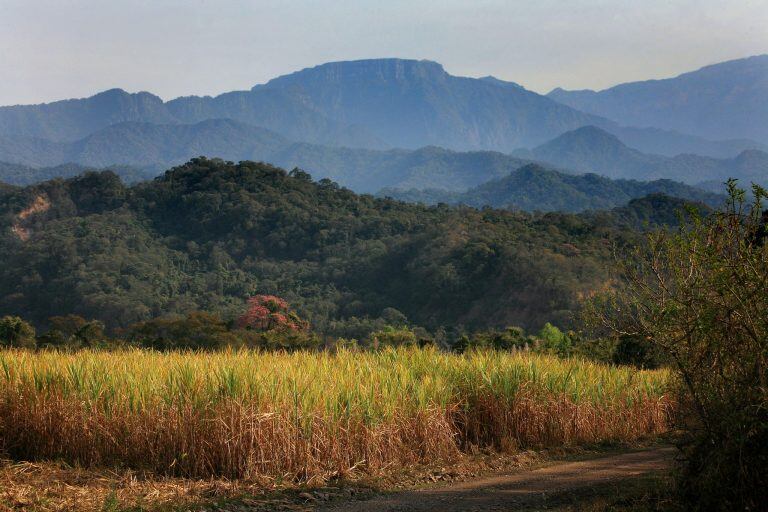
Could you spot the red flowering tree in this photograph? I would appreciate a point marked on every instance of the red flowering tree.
(270, 313)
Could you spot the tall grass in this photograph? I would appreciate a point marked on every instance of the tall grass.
(307, 415)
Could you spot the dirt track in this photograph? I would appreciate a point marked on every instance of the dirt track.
(540, 487)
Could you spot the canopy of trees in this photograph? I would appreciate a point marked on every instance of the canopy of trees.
(208, 235)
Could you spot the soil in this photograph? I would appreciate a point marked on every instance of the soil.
(546, 487)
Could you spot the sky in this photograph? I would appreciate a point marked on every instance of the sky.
(56, 49)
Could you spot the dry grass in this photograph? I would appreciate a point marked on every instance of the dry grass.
(56, 487)
(268, 418)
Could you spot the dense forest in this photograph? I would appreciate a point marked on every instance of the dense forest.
(536, 188)
(209, 234)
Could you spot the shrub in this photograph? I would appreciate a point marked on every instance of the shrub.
(73, 331)
(554, 340)
(198, 330)
(511, 338)
(15, 332)
(700, 296)
(393, 337)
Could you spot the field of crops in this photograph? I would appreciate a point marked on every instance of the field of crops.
(308, 416)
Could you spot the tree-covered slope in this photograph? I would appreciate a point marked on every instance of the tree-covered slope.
(209, 234)
(533, 187)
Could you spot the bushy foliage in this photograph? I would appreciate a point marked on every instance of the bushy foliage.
(15, 332)
(197, 330)
(209, 234)
(73, 332)
(700, 296)
(549, 340)
(270, 313)
(394, 337)
(268, 323)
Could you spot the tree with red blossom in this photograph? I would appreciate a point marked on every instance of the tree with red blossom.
(270, 313)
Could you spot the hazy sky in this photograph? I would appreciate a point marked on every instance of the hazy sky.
(58, 49)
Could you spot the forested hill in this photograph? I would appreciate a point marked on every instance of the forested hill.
(533, 187)
(208, 234)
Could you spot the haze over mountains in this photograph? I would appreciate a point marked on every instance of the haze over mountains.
(723, 101)
(590, 149)
(406, 124)
(533, 187)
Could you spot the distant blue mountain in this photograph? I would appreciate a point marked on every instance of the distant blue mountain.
(591, 149)
(374, 104)
(533, 187)
(152, 146)
(148, 146)
(723, 101)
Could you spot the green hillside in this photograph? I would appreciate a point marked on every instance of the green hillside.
(208, 234)
(533, 187)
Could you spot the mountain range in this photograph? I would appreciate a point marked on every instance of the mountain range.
(151, 147)
(726, 100)
(590, 149)
(145, 148)
(395, 123)
(373, 103)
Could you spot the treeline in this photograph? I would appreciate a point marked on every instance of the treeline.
(203, 331)
(209, 234)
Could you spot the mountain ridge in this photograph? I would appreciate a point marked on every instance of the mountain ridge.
(725, 100)
(148, 146)
(534, 187)
(591, 149)
(371, 103)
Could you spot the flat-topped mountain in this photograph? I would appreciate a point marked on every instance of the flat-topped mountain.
(373, 104)
(412, 103)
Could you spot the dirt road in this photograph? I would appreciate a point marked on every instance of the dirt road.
(541, 487)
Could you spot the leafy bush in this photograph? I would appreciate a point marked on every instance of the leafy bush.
(15, 332)
(392, 336)
(510, 338)
(700, 296)
(554, 340)
(72, 332)
(197, 330)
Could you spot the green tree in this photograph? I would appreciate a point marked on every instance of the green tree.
(392, 336)
(700, 296)
(15, 332)
(554, 340)
(73, 331)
